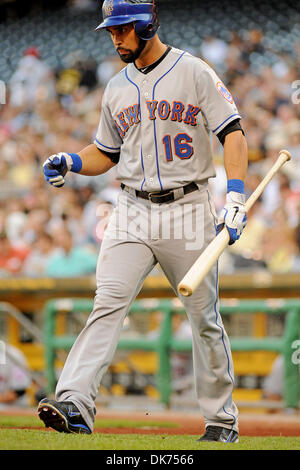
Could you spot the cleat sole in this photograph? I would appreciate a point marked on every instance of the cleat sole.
(56, 420)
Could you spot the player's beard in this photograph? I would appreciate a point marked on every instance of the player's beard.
(132, 56)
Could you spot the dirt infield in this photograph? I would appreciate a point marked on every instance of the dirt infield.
(249, 425)
(187, 423)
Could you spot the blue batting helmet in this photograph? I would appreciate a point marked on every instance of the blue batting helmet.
(118, 12)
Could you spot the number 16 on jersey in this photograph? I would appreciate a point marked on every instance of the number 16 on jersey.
(180, 146)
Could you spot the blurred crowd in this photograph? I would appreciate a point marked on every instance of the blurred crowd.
(49, 232)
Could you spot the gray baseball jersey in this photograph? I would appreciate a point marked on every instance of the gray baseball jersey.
(161, 123)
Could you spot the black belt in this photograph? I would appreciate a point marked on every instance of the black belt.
(160, 197)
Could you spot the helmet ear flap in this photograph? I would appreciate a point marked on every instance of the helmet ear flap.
(145, 30)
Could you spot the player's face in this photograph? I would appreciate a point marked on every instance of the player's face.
(126, 42)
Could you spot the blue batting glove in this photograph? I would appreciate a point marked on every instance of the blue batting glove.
(56, 167)
(233, 216)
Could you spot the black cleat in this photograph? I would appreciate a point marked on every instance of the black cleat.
(219, 434)
(62, 416)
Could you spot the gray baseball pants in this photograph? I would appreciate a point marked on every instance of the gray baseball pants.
(139, 235)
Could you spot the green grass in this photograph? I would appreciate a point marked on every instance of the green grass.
(23, 439)
(35, 439)
(35, 422)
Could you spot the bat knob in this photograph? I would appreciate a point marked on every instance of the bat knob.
(287, 154)
(184, 290)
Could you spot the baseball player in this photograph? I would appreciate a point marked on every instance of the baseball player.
(157, 118)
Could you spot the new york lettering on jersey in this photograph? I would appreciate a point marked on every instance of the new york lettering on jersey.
(163, 110)
(164, 119)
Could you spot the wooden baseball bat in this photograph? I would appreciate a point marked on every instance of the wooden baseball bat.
(209, 256)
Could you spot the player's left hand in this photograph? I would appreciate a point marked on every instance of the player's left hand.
(233, 216)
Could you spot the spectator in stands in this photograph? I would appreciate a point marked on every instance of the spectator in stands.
(33, 80)
(15, 220)
(11, 258)
(14, 377)
(88, 70)
(289, 198)
(108, 68)
(22, 172)
(214, 51)
(252, 44)
(279, 243)
(36, 262)
(37, 220)
(273, 383)
(74, 221)
(70, 261)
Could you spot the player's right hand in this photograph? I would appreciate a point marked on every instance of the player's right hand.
(56, 167)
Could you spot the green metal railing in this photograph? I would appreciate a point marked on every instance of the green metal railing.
(165, 343)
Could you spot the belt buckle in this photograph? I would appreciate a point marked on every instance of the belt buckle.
(156, 194)
(152, 194)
